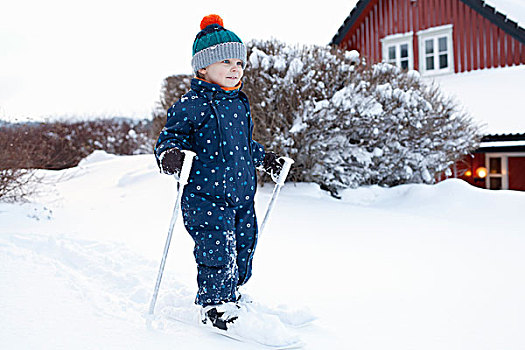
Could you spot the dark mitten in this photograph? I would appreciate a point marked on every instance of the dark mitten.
(171, 161)
(271, 163)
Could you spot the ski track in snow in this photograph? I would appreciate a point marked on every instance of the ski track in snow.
(433, 267)
(108, 280)
(99, 272)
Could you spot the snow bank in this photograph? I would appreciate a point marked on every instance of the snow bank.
(97, 156)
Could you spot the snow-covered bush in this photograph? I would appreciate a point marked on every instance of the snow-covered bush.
(387, 128)
(349, 124)
(284, 84)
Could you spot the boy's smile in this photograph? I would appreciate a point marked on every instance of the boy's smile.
(226, 73)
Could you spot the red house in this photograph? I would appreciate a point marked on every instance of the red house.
(452, 38)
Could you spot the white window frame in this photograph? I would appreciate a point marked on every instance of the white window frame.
(504, 167)
(397, 40)
(434, 34)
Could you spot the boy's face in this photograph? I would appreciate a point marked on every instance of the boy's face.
(225, 73)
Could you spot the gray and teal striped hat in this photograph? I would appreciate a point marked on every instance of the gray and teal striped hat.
(214, 43)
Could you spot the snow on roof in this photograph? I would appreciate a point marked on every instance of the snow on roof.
(502, 144)
(493, 97)
(513, 9)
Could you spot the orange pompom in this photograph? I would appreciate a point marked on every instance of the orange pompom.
(211, 19)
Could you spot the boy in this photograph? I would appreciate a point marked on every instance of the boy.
(213, 120)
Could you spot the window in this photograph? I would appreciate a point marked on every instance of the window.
(397, 50)
(495, 173)
(495, 183)
(436, 54)
(398, 55)
(435, 50)
(495, 165)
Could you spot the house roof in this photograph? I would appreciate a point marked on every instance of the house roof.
(504, 137)
(349, 22)
(502, 143)
(493, 97)
(486, 10)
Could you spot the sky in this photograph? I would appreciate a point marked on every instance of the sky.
(79, 60)
(101, 58)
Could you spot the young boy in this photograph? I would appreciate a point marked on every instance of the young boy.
(213, 120)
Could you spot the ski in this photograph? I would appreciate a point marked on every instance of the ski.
(251, 327)
(291, 317)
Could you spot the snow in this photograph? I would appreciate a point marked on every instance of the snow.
(493, 97)
(296, 66)
(409, 267)
(512, 9)
(502, 144)
(352, 55)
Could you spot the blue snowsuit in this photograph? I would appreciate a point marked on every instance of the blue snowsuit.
(218, 201)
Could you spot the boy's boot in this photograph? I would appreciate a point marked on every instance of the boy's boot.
(220, 316)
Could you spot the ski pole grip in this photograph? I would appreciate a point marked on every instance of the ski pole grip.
(284, 171)
(186, 167)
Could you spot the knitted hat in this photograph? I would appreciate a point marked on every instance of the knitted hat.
(214, 43)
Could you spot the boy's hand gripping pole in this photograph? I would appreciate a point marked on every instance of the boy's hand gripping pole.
(182, 181)
(279, 182)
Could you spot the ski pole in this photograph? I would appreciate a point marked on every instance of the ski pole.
(182, 181)
(279, 182)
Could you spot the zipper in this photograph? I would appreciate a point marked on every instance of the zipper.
(221, 140)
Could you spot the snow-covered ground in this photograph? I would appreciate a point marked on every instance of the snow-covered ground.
(411, 267)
